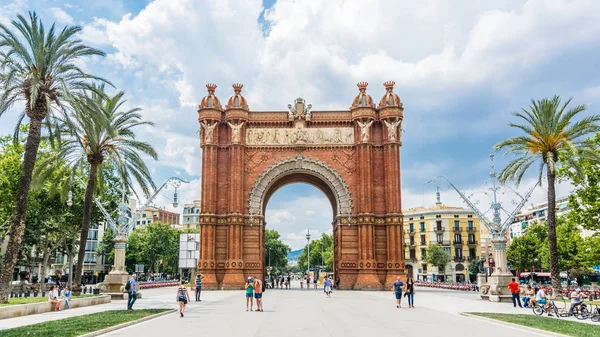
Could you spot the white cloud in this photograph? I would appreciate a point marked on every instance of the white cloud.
(61, 16)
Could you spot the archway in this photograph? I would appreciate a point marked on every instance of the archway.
(353, 156)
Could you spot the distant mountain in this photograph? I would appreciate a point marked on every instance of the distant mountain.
(293, 255)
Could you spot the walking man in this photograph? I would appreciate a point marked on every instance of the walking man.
(131, 288)
(199, 278)
(327, 286)
(514, 290)
(397, 289)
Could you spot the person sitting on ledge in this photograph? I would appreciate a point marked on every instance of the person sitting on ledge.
(54, 299)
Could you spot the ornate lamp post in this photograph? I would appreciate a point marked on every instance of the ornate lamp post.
(117, 277)
(308, 245)
(495, 287)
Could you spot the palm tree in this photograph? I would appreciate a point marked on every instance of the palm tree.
(552, 137)
(38, 67)
(97, 134)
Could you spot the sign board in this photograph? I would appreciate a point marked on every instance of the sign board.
(139, 268)
(597, 268)
(189, 250)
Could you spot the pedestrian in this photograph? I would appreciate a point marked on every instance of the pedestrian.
(397, 289)
(131, 288)
(249, 293)
(337, 283)
(530, 293)
(66, 297)
(54, 299)
(258, 294)
(183, 296)
(327, 286)
(289, 282)
(315, 282)
(514, 290)
(301, 283)
(410, 292)
(199, 278)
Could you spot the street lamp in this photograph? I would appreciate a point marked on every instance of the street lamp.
(308, 253)
(269, 257)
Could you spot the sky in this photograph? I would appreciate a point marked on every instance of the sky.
(460, 67)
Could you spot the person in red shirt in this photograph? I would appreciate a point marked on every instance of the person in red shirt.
(514, 290)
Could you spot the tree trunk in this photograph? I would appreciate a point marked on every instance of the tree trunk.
(554, 267)
(45, 263)
(17, 226)
(87, 215)
(70, 263)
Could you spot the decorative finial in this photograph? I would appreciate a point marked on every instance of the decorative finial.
(211, 87)
(237, 87)
(389, 85)
(362, 86)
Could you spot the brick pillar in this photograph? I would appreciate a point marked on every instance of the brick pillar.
(208, 208)
(367, 275)
(395, 243)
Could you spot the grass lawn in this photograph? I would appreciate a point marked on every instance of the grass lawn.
(551, 324)
(80, 325)
(27, 300)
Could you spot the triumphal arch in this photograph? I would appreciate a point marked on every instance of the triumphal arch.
(352, 155)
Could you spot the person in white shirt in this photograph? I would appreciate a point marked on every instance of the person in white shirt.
(542, 299)
(576, 300)
(54, 298)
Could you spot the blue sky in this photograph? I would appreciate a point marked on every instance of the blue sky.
(460, 68)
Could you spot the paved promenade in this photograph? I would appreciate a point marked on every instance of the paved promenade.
(304, 313)
(307, 313)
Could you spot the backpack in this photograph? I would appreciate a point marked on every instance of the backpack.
(128, 286)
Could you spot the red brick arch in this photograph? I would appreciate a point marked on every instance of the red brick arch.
(353, 156)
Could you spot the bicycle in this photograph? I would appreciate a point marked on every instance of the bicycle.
(582, 312)
(540, 309)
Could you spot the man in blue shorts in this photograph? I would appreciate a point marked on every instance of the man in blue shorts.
(397, 289)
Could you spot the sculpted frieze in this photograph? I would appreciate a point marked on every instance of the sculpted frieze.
(293, 136)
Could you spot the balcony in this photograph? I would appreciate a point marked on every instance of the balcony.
(458, 229)
(473, 258)
(422, 229)
(457, 242)
(472, 242)
(412, 259)
(439, 229)
(471, 229)
(459, 259)
(444, 243)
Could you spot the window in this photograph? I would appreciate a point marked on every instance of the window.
(422, 226)
(447, 251)
(438, 216)
(423, 253)
(455, 216)
(457, 238)
(422, 217)
(412, 240)
(89, 258)
(91, 246)
(438, 225)
(470, 224)
(413, 254)
(144, 222)
(138, 222)
(144, 215)
(440, 238)
(149, 221)
(422, 239)
(458, 252)
(410, 219)
(424, 267)
(411, 227)
(470, 216)
(197, 210)
(471, 238)
(472, 253)
(456, 225)
(188, 219)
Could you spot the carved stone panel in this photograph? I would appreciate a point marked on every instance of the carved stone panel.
(293, 136)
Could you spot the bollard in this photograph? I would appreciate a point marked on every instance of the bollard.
(84, 290)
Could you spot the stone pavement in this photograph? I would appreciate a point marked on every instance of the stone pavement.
(152, 298)
(307, 313)
(347, 313)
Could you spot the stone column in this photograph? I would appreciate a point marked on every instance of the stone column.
(208, 220)
(395, 253)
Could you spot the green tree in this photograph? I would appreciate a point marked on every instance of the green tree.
(570, 247)
(106, 247)
(549, 132)
(10, 170)
(321, 253)
(275, 250)
(156, 246)
(38, 67)
(585, 198)
(525, 251)
(100, 133)
(436, 256)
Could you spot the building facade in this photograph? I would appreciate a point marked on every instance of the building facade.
(191, 215)
(156, 214)
(537, 214)
(456, 229)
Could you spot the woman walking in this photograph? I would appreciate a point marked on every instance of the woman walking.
(183, 297)
(410, 292)
(249, 293)
(258, 294)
